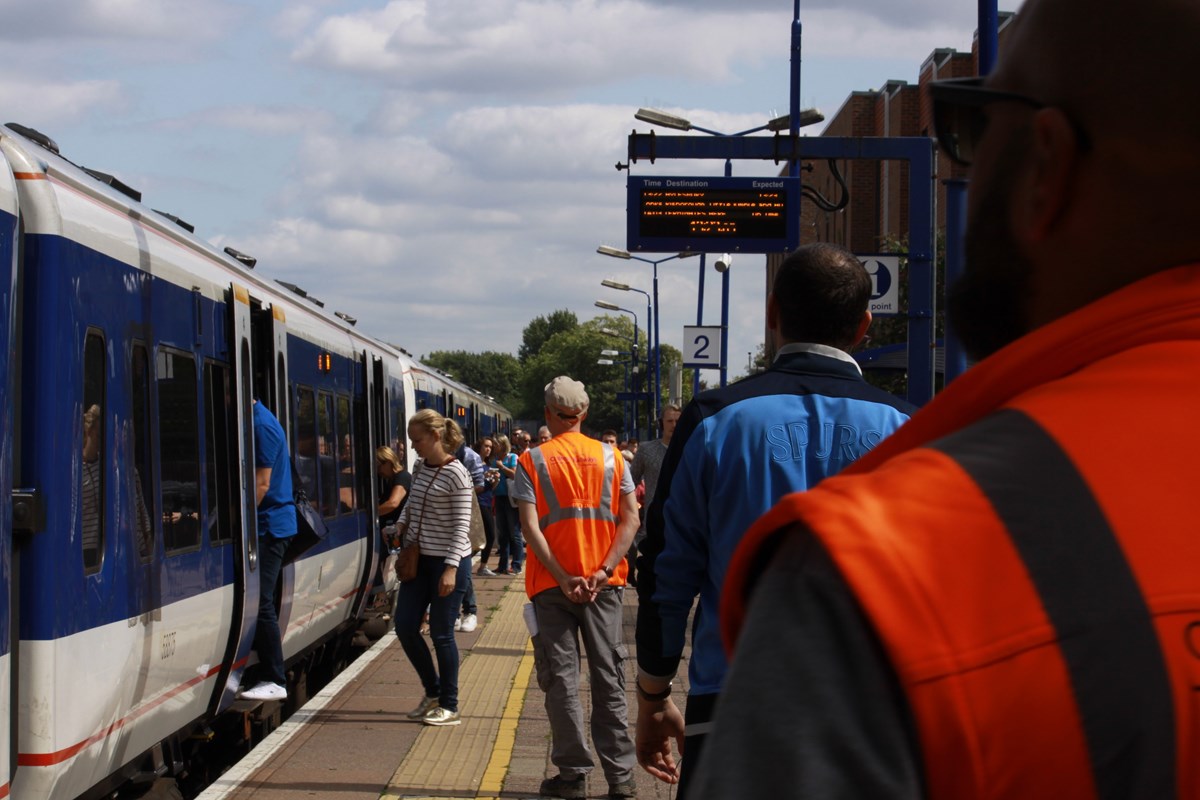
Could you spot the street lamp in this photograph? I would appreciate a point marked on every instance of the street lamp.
(608, 362)
(656, 345)
(607, 306)
(809, 116)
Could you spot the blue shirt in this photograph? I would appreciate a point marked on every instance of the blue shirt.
(735, 453)
(277, 511)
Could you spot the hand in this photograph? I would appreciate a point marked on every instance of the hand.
(597, 581)
(658, 722)
(448, 581)
(577, 590)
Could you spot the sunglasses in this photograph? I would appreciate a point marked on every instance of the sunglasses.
(959, 120)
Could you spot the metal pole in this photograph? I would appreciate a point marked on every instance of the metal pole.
(989, 35)
(724, 325)
(956, 220)
(657, 352)
(794, 95)
(699, 321)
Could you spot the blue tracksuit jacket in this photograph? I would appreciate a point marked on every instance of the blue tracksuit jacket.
(735, 452)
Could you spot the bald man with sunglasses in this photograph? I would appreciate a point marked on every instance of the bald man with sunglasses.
(1002, 599)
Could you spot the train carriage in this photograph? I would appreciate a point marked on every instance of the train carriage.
(131, 580)
(8, 266)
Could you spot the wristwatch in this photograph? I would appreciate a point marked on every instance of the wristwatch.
(608, 570)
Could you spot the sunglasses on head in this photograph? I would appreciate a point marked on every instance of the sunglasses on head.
(959, 120)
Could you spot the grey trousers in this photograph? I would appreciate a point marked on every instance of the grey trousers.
(556, 657)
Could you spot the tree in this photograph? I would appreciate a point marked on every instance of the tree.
(495, 374)
(541, 329)
(575, 353)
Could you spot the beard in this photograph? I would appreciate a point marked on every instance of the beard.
(986, 305)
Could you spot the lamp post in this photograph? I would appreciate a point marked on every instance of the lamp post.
(614, 307)
(656, 345)
(606, 359)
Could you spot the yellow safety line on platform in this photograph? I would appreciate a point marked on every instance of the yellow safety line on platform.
(506, 737)
(446, 755)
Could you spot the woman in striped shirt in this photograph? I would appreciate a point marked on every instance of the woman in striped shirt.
(438, 517)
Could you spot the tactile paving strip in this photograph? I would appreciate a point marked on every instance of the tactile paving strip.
(470, 760)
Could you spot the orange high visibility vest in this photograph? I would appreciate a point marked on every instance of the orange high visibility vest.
(1028, 551)
(577, 481)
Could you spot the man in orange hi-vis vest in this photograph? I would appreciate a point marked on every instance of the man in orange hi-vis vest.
(579, 515)
(1002, 600)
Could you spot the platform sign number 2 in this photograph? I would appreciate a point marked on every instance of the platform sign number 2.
(702, 346)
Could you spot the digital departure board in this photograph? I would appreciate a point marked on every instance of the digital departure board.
(712, 215)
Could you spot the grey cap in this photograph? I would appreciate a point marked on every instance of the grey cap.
(566, 395)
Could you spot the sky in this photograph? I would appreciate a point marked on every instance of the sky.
(442, 170)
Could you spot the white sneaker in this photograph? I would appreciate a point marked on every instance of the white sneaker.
(469, 623)
(264, 691)
(458, 624)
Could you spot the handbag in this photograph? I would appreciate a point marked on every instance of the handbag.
(410, 554)
(476, 534)
(406, 563)
(310, 527)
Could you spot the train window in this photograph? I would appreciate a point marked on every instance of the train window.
(347, 500)
(179, 445)
(327, 448)
(220, 448)
(397, 433)
(92, 496)
(306, 442)
(143, 487)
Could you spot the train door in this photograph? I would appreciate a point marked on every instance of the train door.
(9, 230)
(245, 605)
(370, 425)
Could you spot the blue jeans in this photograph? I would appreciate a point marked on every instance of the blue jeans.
(468, 605)
(267, 640)
(414, 596)
(509, 533)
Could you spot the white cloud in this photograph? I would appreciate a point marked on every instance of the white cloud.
(263, 120)
(112, 19)
(532, 46)
(47, 104)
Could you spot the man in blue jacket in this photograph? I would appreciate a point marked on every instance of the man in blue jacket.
(735, 452)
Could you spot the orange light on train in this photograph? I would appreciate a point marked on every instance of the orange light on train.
(324, 362)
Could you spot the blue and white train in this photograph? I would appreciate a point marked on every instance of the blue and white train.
(130, 354)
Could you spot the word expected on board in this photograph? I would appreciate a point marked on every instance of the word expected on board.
(712, 215)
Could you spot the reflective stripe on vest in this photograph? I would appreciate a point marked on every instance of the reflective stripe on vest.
(555, 512)
(1104, 628)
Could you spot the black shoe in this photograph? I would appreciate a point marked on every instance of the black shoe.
(569, 788)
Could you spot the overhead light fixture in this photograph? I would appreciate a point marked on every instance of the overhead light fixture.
(610, 353)
(656, 117)
(808, 116)
(615, 252)
(607, 306)
(624, 287)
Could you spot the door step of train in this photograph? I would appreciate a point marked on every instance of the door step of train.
(258, 719)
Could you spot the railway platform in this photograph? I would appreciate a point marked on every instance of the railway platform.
(352, 741)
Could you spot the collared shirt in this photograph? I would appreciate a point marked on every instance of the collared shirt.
(818, 349)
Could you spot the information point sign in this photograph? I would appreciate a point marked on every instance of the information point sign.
(712, 215)
(885, 283)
